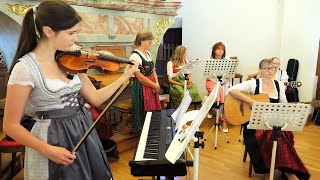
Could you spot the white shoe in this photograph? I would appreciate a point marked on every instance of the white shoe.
(209, 116)
(225, 130)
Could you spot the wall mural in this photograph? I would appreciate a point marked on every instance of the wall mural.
(119, 21)
(94, 24)
(127, 25)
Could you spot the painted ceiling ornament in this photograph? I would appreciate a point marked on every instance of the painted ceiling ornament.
(19, 9)
(162, 24)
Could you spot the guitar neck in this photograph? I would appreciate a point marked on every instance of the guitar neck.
(293, 84)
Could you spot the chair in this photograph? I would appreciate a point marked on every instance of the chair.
(244, 160)
(245, 153)
(124, 107)
(12, 147)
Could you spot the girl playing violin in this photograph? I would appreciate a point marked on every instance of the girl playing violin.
(61, 121)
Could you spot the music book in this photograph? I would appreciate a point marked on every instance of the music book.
(182, 109)
(186, 69)
(184, 135)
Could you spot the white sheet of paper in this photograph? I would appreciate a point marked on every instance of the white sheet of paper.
(182, 109)
(188, 116)
(182, 138)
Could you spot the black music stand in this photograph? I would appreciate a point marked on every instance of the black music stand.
(219, 69)
(278, 117)
(184, 135)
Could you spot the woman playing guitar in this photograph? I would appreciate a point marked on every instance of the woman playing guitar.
(287, 157)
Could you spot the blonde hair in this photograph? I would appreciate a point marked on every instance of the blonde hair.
(273, 58)
(143, 34)
(177, 57)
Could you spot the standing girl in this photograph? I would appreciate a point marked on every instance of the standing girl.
(61, 121)
(145, 86)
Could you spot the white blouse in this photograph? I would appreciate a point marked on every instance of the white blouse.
(250, 86)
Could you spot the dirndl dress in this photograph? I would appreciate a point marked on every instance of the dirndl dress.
(259, 144)
(62, 121)
(143, 98)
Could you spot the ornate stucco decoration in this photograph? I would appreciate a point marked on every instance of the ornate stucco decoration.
(168, 8)
(19, 9)
(162, 24)
(153, 7)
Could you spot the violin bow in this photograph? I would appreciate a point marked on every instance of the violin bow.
(98, 119)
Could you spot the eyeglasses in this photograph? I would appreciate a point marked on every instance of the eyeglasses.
(269, 68)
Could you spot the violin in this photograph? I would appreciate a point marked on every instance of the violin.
(78, 61)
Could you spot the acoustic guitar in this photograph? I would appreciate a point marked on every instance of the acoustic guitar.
(238, 112)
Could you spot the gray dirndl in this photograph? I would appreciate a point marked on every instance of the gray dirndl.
(61, 121)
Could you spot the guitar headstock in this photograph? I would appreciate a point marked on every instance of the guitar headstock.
(293, 84)
(315, 103)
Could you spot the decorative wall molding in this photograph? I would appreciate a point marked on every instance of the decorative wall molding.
(19, 9)
(168, 8)
(162, 26)
(111, 22)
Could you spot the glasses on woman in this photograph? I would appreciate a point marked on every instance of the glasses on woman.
(269, 68)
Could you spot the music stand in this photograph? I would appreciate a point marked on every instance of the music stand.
(278, 117)
(184, 135)
(223, 68)
(180, 116)
(186, 70)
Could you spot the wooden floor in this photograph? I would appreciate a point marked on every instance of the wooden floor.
(226, 162)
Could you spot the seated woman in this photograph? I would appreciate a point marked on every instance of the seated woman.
(259, 142)
(176, 84)
(280, 74)
(219, 52)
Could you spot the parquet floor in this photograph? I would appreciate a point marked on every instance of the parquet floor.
(225, 162)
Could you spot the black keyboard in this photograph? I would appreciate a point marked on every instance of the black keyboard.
(156, 136)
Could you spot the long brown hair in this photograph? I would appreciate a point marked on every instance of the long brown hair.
(58, 15)
(217, 46)
(177, 57)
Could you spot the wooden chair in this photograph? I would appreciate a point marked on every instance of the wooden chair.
(123, 107)
(12, 147)
(244, 160)
(245, 153)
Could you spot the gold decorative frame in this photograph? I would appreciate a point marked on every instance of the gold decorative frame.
(162, 24)
(19, 9)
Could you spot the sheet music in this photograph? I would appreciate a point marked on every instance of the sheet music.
(267, 115)
(184, 135)
(206, 106)
(188, 116)
(186, 69)
(183, 107)
(222, 67)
